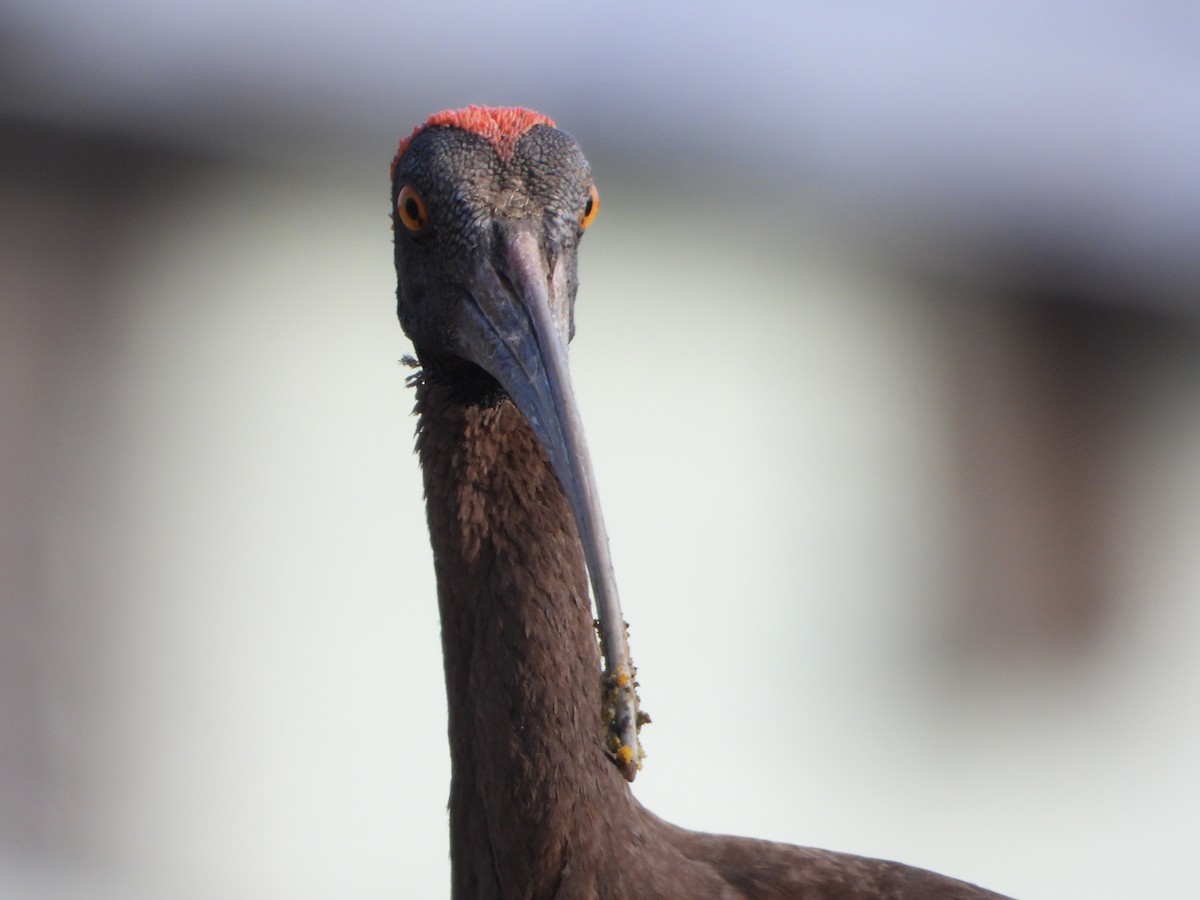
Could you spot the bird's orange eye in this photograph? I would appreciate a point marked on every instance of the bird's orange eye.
(591, 208)
(411, 209)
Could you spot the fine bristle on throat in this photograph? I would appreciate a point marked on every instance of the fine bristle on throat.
(500, 126)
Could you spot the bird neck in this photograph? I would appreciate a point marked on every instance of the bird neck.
(529, 775)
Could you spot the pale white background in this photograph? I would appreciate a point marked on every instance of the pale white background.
(222, 667)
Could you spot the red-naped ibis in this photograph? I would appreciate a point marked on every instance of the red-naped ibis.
(488, 207)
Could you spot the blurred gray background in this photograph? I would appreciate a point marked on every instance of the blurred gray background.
(889, 355)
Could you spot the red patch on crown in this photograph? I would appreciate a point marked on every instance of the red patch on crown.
(500, 126)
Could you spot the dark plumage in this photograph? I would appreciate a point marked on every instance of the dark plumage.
(489, 208)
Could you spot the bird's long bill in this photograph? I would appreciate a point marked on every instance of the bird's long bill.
(517, 330)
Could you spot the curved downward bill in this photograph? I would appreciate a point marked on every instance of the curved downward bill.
(517, 331)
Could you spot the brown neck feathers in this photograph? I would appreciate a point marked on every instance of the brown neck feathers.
(522, 663)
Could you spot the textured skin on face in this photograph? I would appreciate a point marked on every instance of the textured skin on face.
(500, 126)
(474, 196)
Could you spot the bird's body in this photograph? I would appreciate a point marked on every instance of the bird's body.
(540, 805)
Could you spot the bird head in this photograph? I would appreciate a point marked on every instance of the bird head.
(485, 201)
(488, 209)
